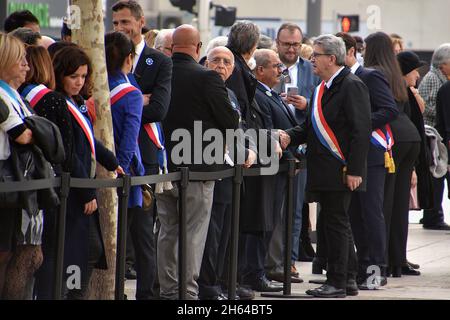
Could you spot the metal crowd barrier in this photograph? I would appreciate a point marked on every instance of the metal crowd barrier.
(183, 177)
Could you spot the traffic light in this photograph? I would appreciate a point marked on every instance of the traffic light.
(186, 5)
(225, 16)
(349, 23)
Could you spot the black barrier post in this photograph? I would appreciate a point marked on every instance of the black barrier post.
(182, 234)
(60, 235)
(288, 238)
(122, 238)
(234, 234)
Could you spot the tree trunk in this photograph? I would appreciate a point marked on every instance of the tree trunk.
(90, 36)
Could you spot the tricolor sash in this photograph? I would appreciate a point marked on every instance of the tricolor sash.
(15, 99)
(83, 123)
(34, 93)
(153, 130)
(385, 141)
(323, 131)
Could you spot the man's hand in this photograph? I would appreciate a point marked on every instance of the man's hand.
(26, 137)
(278, 149)
(90, 207)
(146, 98)
(119, 170)
(299, 102)
(285, 140)
(353, 182)
(250, 159)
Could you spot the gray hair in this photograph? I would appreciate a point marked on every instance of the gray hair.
(332, 45)
(244, 36)
(212, 50)
(161, 37)
(219, 41)
(262, 57)
(441, 55)
(265, 42)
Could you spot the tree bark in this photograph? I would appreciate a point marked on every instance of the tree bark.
(90, 36)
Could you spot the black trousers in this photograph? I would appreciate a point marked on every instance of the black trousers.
(435, 215)
(214, 255)
(335, 225)
(396, 201)
(367, 221)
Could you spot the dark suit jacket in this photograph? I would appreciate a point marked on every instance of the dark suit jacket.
(346, 108)
(278, 115)
(198, 94)
(153, 74)
(383, 107)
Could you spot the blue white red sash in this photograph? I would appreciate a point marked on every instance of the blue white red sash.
(153, 130)
(15, 99)
(322, 129)
(34, 93)
(83, 123)
(383, 140)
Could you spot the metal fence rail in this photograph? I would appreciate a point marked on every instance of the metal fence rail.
(183, 177)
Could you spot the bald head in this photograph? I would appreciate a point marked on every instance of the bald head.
(186, 39)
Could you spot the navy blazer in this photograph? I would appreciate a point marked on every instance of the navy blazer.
(278, 115)
(383, 107)
(153, 75)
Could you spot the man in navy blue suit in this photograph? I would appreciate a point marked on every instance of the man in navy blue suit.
(366, 208)
(277, 115)
(152, 73)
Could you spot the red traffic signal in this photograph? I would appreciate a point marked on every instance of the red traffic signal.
(349, 23)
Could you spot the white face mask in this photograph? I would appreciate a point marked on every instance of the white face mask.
(360, 58)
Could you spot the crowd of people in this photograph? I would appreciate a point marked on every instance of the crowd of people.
(372, 137)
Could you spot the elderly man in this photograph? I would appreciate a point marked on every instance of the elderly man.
(163, 41)
(216, 256)
(337, 133)
(440, 71)
(198, 95)
(280, 116)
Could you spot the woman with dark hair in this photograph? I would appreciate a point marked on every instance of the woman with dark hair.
(380, 55)
(83, 242)
(37, 90)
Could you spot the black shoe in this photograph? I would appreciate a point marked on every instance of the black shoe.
(264, 285)
(438, 226)
(279, 277)
(318, 265)
(408, 271)
(219, 297)
(352, 288)
(327, 291)
(245, 293)
(130, 274)
(413, 265)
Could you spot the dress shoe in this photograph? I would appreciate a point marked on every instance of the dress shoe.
(245, 293)
(408, 271)
(327, 291)
(279, 277)
(318, 265)
(264, 285)
(352, 288)
(219, 297)
(438, 226)
(294, 272)
(130, 274)
(413, 265)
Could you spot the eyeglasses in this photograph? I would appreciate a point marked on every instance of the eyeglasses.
(316, 54)
(226, 62)
(287, 45)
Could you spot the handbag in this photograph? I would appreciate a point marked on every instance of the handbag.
(8, 200)
(147, 196)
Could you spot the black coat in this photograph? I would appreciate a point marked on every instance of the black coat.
(198, 94)
(346, 108)
(153, 75)
(383, 107)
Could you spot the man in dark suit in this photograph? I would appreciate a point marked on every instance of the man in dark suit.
(366, 209)
(199, 97)
(152, 72)
(278, 116)
(337, 133)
